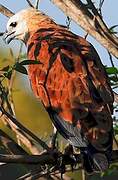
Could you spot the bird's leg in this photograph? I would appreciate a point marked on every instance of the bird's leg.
(69, 157)
(69, 154)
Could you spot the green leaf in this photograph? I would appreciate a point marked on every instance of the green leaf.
(28, 62)
(116, 131)
(20, 68)
(112, 29)
(111, 70)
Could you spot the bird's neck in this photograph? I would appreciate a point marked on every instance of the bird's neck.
(36, 26)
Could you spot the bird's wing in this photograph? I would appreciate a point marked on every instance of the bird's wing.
(72, 84)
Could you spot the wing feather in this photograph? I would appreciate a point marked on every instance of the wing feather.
(75, 84)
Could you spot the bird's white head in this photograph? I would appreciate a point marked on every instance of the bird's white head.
(22, 23)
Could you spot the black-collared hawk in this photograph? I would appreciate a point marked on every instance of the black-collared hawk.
(70, 81)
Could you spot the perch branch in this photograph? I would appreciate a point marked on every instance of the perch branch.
(28, 159)
(47, 158)
(10, 147)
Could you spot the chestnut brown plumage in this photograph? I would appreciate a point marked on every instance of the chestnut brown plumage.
(71, 82)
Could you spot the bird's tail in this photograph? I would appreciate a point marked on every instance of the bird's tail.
(95, 160)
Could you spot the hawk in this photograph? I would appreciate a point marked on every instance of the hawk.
(70, 81)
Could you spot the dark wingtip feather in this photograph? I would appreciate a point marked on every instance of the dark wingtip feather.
(67, 130)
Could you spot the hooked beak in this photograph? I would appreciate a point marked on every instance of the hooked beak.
(8, 36)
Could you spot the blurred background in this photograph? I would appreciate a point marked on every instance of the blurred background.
(28, 109)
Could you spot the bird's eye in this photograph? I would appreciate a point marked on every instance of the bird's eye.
(13, 24)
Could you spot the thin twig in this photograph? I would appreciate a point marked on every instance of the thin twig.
(92, 23)
(53, 140)
(7, 121)
(86, 35)
(10, 145)
(56, 174)
(14, 125)
(30, 175)
(103, 29)
(116, 142)
(49, 159)
(10, 96)
(101, 2)
(78, 11)
(68, 22)
(10, 84)
(22, 137)
(30, 4)
(11, 81)
(5, 11)
(112, 63)
(115, 97)
(37, 3)
(24, 130)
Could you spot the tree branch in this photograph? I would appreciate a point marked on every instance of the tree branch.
(47, 158)
(115, 97)
(90, 22)
(28, 159)
(10, 145)
(23, 130)
(21, 136)
(30, 4)
(5, 11)
(37, 3)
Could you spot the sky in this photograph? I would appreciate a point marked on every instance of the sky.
(109, 10)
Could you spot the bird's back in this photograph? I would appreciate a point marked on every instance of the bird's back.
(72, 84)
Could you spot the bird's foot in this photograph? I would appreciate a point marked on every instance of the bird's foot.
(69, 156)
